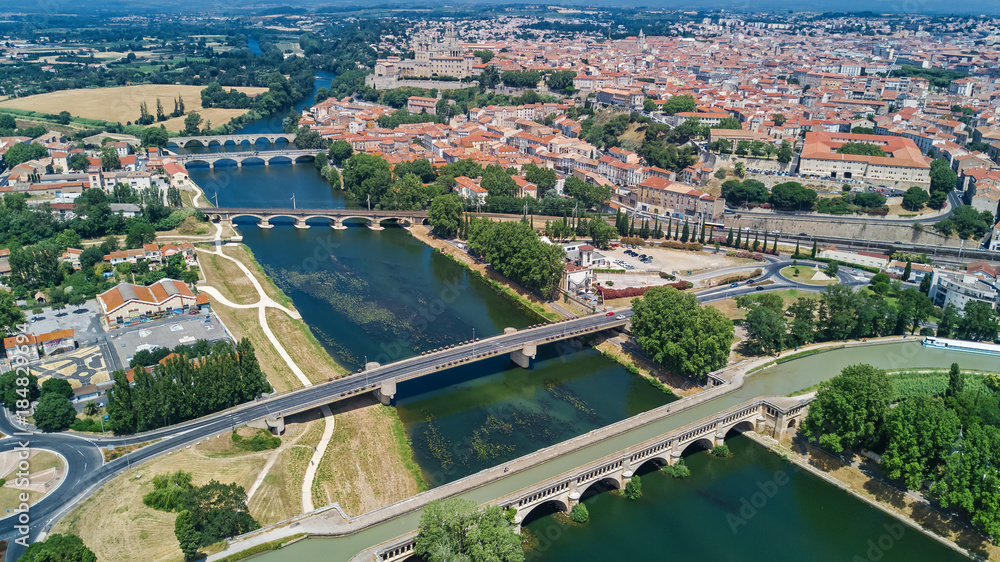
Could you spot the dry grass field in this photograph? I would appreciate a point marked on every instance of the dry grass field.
(122, 103)
(366, 463)
(116, 525)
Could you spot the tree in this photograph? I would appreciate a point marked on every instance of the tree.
(404, 195)
(154, 136)
(445, 215)
(850, 409)
(979, 322)
(498, 183)
(78, 162)
(109, 158)
(192, 124)
(579, 513)
(832, 269)
(686, 232)
(10, 314)
(140, 233)
(803, 326)
(785, 152)
(633, 489)
(365, 176)
(601, 233)
(306, 138)
(956, 380)
(18, 396)
(943, 178)
(54, 412)
(58, 548)
(792, 196)
(907, 270)
(679, 104)
(340, 151)
(218, 511)
(970, 478)
(676, 332)
(187, 535)
(779, 119)
(949, 319)
(457, 529)
(740, 169)
(766, 330)
(7, 122)
(729, 237)
(485, 55)
(21, 152)
(57, 386)
(915, 198)
(920, 432)
(592, 196)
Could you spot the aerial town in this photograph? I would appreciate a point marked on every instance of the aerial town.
(498, 283)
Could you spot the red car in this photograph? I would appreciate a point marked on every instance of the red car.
(610, 314)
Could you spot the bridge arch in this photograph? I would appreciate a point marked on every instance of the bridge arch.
(653, 463)
(741, 427)
(605, 484)
(547, 507)
(698, 444)
(191, 142)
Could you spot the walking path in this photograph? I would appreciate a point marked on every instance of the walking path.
(307, 482)
(262, 304)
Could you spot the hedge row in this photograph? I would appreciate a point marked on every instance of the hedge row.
(630, 292)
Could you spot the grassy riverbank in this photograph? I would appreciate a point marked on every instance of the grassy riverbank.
(293, 333)
(514, 293)
(667, 382)
(369, 462)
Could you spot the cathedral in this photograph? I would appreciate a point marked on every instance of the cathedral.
(432, 58)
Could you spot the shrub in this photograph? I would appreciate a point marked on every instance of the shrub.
(721, 451)
(665, 275)
(676, 245)
(262, 441)
(610, 283)
(740, 277)
(633, 490)
(86, 424)
(630, 292)
(579, 513)
(679, 470)
(633, 241)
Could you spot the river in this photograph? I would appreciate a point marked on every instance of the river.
(383, 296)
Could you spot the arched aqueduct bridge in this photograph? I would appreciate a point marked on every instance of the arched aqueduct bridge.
(772, 414)
(335, 217)
(223, 140)
(292, 156)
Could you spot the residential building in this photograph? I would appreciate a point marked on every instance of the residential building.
(126, 304)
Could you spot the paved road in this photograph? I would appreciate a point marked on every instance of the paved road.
(87, 471)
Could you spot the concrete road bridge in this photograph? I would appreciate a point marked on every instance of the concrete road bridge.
(223, 140)
(292, 156)
(774, 415)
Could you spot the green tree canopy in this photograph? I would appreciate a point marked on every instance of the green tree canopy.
(456, 529)
(678, 333)
(445, 215)
(54, 412)
(921, 431)
(58, 548)
(850, 409)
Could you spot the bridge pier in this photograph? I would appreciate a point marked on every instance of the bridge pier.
(522, 357)
(301, 223)
(337, 225)
(386, 392)
(374, 225)
(262, 223)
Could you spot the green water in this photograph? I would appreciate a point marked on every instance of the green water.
(461, 422)
(806, 511)
(751, 507)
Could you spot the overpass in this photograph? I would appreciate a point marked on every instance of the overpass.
(265, 156)
(774, 415)
(222, 140)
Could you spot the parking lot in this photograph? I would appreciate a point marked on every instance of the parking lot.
(84, 320)
(167, 333)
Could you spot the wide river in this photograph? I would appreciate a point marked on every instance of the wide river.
(383, 296)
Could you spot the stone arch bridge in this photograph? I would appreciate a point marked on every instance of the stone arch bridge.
(223, 140)
(773, 415)
(336, 217)
(292, 156)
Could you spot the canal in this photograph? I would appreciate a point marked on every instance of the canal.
(815, 518)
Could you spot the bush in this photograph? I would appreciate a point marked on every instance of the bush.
(721, 451)
(87, 425)
(633, 241)
(679, 470)
(633, 490)
(737, 278)
(262, 441)
(665, 275)
(579, 513)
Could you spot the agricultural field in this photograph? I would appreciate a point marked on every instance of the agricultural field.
(121, 104)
